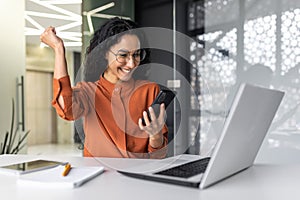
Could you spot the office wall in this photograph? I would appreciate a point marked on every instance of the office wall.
(12, 56)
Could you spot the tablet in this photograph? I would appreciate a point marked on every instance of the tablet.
(30, 166)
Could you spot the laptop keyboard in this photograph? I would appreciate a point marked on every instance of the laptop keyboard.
(188, 169)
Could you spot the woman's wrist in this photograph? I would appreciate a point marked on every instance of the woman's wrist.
(156, 141)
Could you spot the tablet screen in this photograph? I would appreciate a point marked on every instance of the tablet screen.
(32, 165)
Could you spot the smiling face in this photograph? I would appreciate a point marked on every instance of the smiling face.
(117, 70)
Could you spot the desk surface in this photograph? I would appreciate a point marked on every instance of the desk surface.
(267, 182)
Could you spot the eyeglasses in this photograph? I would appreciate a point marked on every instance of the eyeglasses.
(122, 56)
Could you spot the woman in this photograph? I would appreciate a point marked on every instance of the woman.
(113, 104)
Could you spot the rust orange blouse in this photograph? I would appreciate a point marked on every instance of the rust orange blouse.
(110, 113)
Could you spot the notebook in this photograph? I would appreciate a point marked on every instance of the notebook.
(53, 177)
(248, 121)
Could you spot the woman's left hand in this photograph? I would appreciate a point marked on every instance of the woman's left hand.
(154, 126)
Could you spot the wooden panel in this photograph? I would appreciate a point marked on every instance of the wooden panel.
(40, 116)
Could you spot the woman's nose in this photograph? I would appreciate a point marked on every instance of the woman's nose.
(131, 62)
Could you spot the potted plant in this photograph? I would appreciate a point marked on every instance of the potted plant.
(9, 144)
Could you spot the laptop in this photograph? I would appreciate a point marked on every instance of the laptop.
(248, 121)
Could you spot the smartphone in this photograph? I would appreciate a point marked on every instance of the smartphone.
(30, 166)
(164, 96)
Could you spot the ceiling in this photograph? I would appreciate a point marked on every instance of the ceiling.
(64, 15)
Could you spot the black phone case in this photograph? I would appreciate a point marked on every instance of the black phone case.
(164, 96)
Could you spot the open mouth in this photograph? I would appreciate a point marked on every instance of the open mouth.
(126, 71)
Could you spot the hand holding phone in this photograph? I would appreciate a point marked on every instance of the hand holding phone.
(164, 96)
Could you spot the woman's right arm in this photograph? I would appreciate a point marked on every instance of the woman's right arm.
(70, 103)
(50, 38)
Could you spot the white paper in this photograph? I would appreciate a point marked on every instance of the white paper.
(53, 177)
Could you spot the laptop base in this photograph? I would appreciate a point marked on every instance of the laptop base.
(159, 179)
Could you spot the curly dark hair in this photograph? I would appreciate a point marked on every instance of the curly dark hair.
(106, 36)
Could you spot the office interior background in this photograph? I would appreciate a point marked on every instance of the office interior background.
(232, 41)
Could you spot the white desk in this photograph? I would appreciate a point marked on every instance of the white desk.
(267, 182)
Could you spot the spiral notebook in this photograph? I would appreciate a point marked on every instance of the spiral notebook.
(53, 177)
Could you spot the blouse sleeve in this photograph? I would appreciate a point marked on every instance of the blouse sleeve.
(75, 100)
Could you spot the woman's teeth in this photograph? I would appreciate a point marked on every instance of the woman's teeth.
(126, 70)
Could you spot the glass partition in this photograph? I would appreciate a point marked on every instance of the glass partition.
(254, 41)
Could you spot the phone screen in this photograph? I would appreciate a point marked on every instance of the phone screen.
(164, 96)
(32, 165)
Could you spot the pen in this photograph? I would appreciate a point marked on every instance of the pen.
(67, 169)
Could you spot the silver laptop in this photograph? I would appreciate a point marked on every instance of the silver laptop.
(248, 121)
